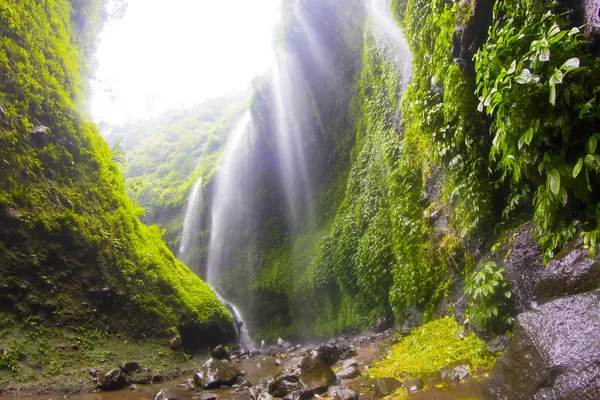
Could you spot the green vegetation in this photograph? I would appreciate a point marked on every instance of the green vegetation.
(430, 348)
(72, 249)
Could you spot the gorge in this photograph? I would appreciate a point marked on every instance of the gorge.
(423, 169)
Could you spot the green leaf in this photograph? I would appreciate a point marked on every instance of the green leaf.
(556, 77)
(578, 167)
(554, 181)
(570, 64)
(526, 138)
(524, 77)
(552, 95)
(586, 108)
(592, 144)
(513, 67)
(544, 54)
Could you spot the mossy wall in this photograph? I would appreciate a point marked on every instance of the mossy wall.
(72, 249)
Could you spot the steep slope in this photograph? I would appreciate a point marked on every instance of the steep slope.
(74, 257)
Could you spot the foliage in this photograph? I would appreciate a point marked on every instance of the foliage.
(9, 360)
(430, 348)
(76, 236)
(487, 292)
(536, 78)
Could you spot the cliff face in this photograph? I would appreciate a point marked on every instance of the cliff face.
(73, 254)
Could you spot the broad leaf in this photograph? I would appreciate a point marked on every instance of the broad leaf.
(513, 67)
(526, 138)
(552, 97)
(570, 64)
(556, 77)
(592, 144)
(524, 77)
(554, 181)
(577, 168)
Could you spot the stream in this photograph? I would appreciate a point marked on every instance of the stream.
(259, 368)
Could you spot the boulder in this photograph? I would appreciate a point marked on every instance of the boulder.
(342, 393)
(349, 373)
(554, 354)
(316, 375)
(498, 344)
(129, 366)
(113, 380)
(572, 274)
(216, 373)
(282, 343)
(165, 394)
(219, 353)
(386, 386)
(175, 343)
(382, 324)
(306, 377)
(522, 268)
(330, 354)
(413, 385)
(454, 374)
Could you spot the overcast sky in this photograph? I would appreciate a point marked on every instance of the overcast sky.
(168, 53)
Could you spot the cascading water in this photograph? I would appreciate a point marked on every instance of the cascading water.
(390, 39)
(230, 214)
(191, 228)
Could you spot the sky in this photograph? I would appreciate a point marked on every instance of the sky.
(170, 53)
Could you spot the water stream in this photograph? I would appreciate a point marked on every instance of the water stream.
(191, 228)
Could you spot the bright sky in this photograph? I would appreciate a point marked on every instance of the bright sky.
(171, 53)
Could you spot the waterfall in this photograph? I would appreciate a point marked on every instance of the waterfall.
(390, 39)
(191, 228)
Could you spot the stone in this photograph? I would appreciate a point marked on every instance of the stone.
(216, 373)
(413, 385)
(554, 353)
(434, 380)
(349, 373)
(283, 343)
(473, 19)
(129, 366)
(522, 268)
(382, 324)
(165, 394)
(219, 353)
(316, 375)
(386, 386)
(208, 396)
(350, 363)
(40, 136)
(330, 354)
(454, 374)
(498, 344)
(175, 343)
(572, 274)
(306, 377)
(342, 393)
(277, 362)
(113, 380)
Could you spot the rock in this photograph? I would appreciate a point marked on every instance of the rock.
(175, 343)
(40, 136)
(554, 354)
(306, 377)
(434, 380)
(283, 343)
(498, 344)
(330, 354)
(277, 362)
(382, 324)
(208, 396)
(413, 385)
(93, 372)
(216, 373)
(219, 353)
(473, 19)
(453, 375)
(572, 274)
(342, 393)
(523, 268)
(349, 373)
(386, 386)
(133, 387)
(113, 380)
(350, 363)
(13, 214)
(129, 366)
(165, 394)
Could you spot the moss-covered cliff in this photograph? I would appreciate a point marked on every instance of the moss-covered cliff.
(74, 256)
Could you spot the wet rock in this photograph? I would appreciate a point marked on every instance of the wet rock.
(349, 373)
(219, 353)
(216, 373)
(382, 324)
(350, 363)
(498, 344)
(208, 396)
(113, 380)
(330, 354)
(413, 385)
(473, 19)
(129, 366)
(133, 387)
(284, 344)
(277, 362)
(434, 380)
(523, 268)
(40, 136)
(342, 393)
(93, 372)
(306, 377)
(572, 274)
(165, 394)
(175, 343)
(554, 354)
(454, 374)
(386, 386)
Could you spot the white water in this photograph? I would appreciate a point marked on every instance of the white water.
(390, 38)
(191, 228)
(243, 334)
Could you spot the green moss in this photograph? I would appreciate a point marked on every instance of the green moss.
(430, 348)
